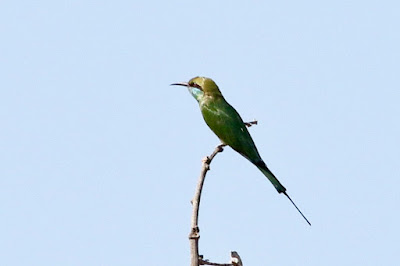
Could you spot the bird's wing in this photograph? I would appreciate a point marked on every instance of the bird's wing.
(227, 124)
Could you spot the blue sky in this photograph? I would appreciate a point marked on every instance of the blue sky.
(100, 157)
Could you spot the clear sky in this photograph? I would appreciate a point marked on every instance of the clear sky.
(100, 157)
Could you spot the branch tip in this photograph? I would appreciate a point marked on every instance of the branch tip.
(249, 124)
(194, 234)
(220, 147)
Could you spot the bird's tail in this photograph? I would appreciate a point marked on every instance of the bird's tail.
(278, 186)
(271, 177)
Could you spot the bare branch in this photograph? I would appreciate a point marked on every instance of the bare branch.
(194, 235)
(249, 124)
(204, 262)
(235, 259)
(195, 231)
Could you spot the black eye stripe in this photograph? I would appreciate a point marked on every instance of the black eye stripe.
(196, 86)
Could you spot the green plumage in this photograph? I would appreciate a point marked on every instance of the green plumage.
(227, 124)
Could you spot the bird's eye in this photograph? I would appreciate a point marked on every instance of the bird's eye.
(195, 85)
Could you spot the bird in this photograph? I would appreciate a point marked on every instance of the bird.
(229, 127)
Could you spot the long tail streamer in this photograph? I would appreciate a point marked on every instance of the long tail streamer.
(296, 207)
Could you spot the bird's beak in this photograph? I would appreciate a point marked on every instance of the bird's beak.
(180, 84)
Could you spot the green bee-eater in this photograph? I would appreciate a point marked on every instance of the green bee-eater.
(227, 124)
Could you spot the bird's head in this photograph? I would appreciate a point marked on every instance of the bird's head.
(200, 87)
